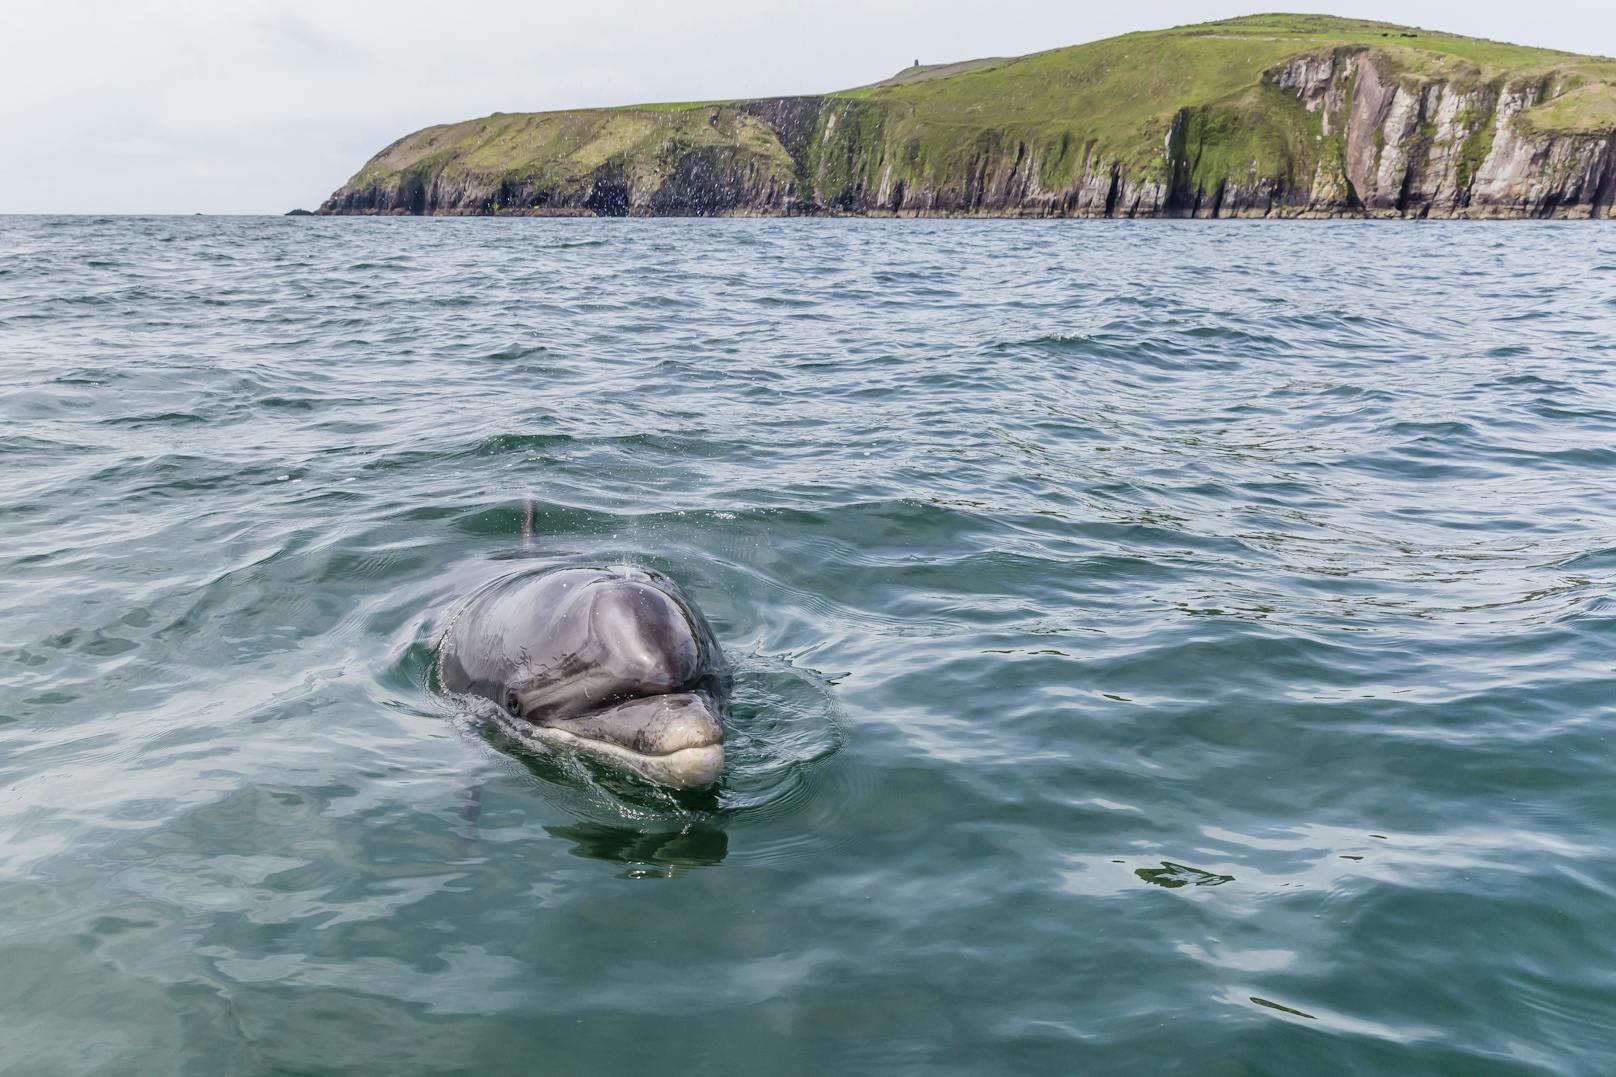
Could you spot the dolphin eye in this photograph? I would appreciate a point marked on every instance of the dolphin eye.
(512, 703)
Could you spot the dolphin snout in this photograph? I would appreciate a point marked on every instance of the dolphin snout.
(675, 739)
(684, 722)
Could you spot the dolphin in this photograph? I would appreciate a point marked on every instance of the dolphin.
(612, 661)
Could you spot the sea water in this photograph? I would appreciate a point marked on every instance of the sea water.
(1160, 647)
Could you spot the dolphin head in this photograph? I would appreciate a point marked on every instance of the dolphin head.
(622, 667)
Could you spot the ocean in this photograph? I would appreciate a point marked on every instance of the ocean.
(1160, 648)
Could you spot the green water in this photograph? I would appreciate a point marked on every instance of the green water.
(1160, 649)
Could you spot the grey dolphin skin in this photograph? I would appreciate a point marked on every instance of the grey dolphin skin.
(614, 661)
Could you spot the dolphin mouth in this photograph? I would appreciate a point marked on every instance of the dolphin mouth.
(675, 740)
(683, 768)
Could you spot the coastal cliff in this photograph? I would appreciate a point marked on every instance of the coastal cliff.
(1268, 116)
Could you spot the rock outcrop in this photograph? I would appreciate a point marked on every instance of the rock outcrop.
(1439, 147)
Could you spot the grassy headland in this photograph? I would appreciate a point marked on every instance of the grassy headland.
(1285, 114)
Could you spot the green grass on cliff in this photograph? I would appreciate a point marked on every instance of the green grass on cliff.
(562, 149)
(1590, 108)
(1316, 31)
(1111, 101)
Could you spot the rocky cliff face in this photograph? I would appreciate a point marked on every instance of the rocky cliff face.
(1438, 147)
(1338, 132)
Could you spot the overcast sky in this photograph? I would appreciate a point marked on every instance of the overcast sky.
(257, 106)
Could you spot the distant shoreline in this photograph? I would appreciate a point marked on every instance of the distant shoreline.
(1485, 214)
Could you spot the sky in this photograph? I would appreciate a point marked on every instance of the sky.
(259, 106)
